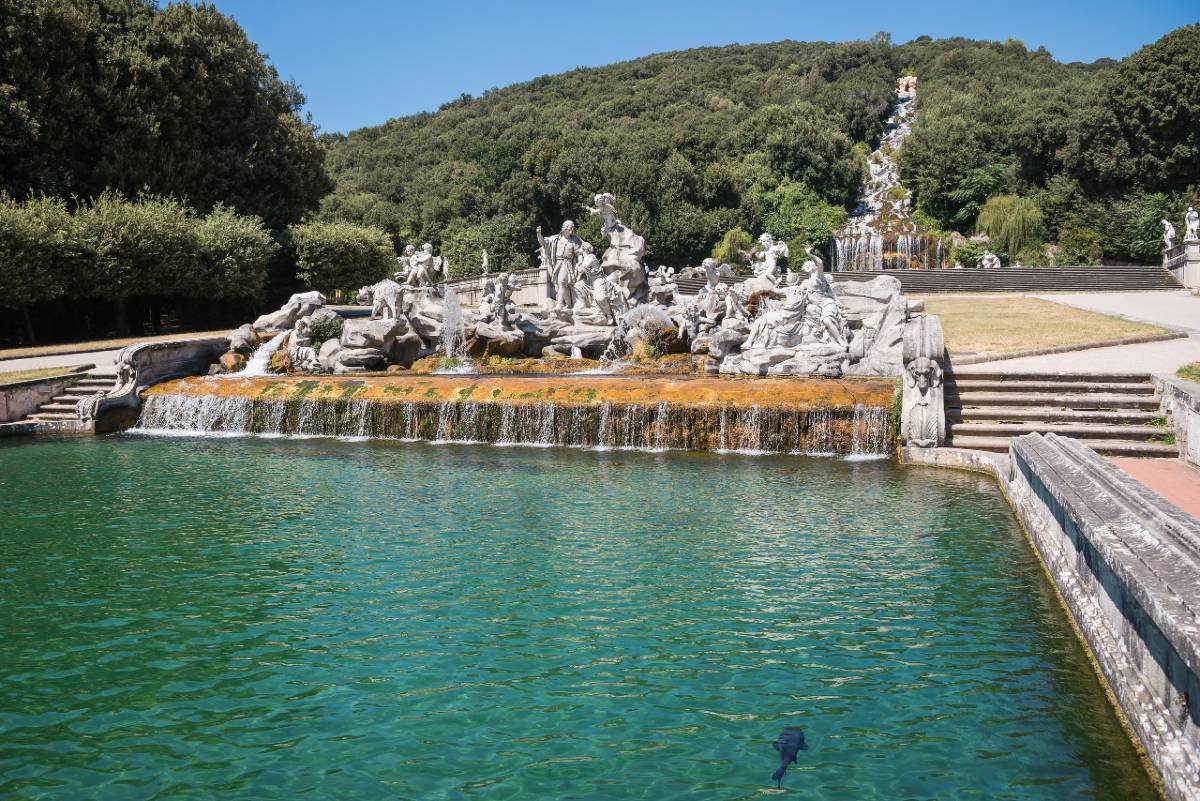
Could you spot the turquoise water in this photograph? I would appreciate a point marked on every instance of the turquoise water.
(281, 619)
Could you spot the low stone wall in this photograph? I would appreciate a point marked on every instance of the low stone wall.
(21, 399)
(1127, 565)
(532, 291)
(144, 365)
(1181, 405)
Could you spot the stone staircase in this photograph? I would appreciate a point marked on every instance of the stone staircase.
(61, 408)
(1026, 279)
(1112, 413)
(1006, 279)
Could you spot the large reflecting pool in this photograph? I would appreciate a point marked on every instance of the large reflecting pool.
(283, 619)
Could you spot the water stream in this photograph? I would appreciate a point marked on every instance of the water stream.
(881, 234)
(862, 432)
(260, 361)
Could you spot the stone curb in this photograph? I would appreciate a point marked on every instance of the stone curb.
(77, 369)
(980, 358)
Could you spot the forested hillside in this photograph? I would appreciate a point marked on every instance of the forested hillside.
(772, 137)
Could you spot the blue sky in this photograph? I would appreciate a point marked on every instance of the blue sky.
(360, 63)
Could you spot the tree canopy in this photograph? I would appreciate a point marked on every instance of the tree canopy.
(772, 137)
(121, 95)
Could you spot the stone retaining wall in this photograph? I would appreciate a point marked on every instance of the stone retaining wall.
(532, 291)
(1127, 565)
(22, 398)
(1181, 405)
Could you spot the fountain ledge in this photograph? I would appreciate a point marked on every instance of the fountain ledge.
(573, 390)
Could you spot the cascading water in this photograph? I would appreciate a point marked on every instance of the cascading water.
(862, 431)
(454, 341)
(881, 234)
(260, 360)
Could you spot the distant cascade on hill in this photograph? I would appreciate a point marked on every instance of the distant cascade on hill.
(880, 234)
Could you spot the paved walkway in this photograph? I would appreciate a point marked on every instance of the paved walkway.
(1173, 479)
(1178, 310)
(105, 361)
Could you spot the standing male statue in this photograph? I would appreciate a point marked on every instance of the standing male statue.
(560, 253)
(1191, 225)
(1168, 235)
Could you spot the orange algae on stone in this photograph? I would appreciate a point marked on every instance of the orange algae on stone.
(567, 390)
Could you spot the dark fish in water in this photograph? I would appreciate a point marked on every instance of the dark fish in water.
(790, 743)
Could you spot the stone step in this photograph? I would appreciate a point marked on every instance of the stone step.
(1102, 446)
(967, 374)
(1049, 414)
(56, 407)
(73, 397)
(1078, 430)
(964, 385)
(41, 416)
(1082, 400)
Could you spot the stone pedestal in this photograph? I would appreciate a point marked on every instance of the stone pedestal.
(1189, 275)
(923, 413)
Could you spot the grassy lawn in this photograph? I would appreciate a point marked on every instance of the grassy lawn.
(998, 324)
(99, 344)
(1191, 372)
(28, 375)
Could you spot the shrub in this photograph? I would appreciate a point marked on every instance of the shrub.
(233, 254)
(143, 247)
(967, 254)
(1011, 222)
(341, 256)
(1079, 246)
(728, 250)
(799, 215)
(326, 329)
(39, 254)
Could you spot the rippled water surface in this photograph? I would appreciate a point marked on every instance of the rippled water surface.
(281, 619)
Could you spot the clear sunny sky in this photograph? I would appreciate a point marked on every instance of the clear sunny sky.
(361, 62)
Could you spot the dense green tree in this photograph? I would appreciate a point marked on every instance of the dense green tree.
(1011, 222)
(234, 252)
(691, 144)
(1079, 246)
(799, 216)
(729, 250)
(341, 256)
(121, 95)
(39, 254)
(1140, 127)
(142, 248)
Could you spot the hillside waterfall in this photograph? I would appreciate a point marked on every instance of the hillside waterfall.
(881, 234)
(863, 430)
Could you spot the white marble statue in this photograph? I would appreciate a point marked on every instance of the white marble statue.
(384, 299)
(622, 260)
(483, 268)
(766, 258)
(559, 254)
(663, 289)
(593, 291)
(608, 214)
(1168, 234)
(496, 306)
(809, 314)
(989, 261)
(1191, 225)
(405, 264)
(425, 268)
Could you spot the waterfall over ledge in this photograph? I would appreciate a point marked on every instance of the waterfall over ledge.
(815, 416)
